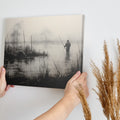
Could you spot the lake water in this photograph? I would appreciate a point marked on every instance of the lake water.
(57, 60)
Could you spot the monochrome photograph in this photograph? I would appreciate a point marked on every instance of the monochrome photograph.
(43, 51)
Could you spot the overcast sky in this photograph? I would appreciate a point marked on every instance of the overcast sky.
(48, 27)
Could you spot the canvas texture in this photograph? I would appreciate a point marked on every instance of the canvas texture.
(43, 51)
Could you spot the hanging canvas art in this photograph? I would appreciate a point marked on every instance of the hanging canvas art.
(43, 51)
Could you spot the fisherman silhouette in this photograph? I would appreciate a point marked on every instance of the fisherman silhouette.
(67, 46)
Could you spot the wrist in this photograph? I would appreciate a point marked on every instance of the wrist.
(67, 105)
(71, 101)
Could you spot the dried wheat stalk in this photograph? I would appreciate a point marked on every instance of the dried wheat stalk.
(86, 110)
(108, 85)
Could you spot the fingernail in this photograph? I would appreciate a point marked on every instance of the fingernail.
(78, 73)
(3, 69)
(12, 85)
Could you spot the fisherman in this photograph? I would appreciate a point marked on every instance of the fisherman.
(67, 45)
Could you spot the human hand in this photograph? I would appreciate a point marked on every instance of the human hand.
(3, 85)
(71, 99)
(71, 93)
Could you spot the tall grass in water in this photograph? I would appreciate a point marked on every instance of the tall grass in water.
(108, 84)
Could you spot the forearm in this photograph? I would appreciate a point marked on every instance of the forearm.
(71, 99)
(59, 111)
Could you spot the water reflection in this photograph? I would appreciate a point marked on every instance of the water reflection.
(67, 57)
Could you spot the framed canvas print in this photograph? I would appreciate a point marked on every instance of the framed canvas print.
(43, 51)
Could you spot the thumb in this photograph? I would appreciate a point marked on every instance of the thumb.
(75, 76)
(3, 73)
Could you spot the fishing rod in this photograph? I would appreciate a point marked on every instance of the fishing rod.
(61, 41)
(55, 65)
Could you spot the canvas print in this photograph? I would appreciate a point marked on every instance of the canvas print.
(43, 51)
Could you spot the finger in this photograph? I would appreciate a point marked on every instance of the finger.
(12, 86)
(1, 95)
(3, 73)
(82, 77)
(75, 76)
(0, 70)
(7, 88)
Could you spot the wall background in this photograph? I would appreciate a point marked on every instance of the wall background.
(102, 22)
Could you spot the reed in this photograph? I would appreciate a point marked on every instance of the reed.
(86, 109)
(108, 84)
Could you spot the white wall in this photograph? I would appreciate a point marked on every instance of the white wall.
(102, 22)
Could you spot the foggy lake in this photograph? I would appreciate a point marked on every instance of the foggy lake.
(57, 59)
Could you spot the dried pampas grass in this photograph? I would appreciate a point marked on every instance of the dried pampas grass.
(86, 110)
(108, 84)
